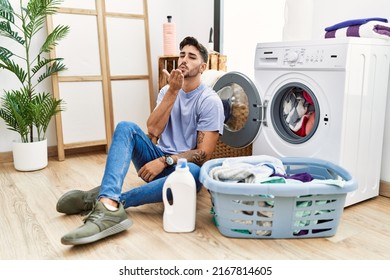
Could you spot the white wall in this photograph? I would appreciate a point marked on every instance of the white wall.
(246, 23)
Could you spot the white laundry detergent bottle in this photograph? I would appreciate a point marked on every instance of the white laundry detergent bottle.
(180, 212)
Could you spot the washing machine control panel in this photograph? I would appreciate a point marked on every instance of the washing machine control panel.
(326, 56)
(302, 56)
(291, 56)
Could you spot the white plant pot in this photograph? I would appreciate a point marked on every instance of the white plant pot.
(30, 156)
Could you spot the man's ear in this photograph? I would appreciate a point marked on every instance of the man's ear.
(203, 67)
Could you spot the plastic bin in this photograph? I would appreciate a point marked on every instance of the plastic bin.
(280, 210)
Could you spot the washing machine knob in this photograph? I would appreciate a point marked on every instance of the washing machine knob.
(292, 56)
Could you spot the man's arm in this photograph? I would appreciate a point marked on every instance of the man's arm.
(160, 115)
(206, 143)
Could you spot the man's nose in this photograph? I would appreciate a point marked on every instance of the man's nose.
(184, 59)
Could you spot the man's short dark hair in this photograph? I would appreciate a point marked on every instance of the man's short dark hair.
(193, 42)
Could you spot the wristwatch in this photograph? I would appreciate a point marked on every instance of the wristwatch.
(169, 160)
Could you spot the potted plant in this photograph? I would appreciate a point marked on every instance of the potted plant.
(25, 110)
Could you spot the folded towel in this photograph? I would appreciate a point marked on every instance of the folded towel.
(354, 22)
(372, 29)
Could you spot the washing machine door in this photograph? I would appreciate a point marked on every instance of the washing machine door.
(294, 111)
(243, 109)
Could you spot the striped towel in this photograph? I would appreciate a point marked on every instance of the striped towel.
(371, 29)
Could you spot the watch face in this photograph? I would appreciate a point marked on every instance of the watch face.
(169, 160)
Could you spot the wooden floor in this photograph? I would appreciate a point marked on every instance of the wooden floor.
(31, 228)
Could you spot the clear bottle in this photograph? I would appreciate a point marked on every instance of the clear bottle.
(180, 212)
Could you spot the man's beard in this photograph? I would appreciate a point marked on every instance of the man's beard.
(191, 73)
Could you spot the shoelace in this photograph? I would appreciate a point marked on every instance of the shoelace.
(92, 215)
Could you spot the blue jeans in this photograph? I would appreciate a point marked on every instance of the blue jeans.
(130, 144)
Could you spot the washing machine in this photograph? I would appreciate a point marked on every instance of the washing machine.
(324, 99)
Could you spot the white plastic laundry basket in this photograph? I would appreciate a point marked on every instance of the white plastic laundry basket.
(280, 210)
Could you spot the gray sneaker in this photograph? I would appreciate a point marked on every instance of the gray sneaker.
(77, 201)
(99, 224)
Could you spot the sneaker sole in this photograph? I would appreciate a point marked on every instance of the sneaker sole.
(122, 226)
(62, 201)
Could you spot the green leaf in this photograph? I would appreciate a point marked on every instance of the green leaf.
(6, 11)
(19, 72)
(56, 35)
(34, 26)
(52, 69)
(43, 62)
(5, 54)
(39, 8)
(15, 111)
(6, 31)
(43, 108)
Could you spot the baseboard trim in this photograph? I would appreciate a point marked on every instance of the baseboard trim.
(384, 189)
(52, 151)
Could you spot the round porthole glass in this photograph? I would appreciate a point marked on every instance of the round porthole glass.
(236, 106)
(295, 113)
(242, 108)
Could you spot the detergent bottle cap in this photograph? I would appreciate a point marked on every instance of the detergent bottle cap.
(181, 163)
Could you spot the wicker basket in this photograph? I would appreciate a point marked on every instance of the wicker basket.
(222, 150)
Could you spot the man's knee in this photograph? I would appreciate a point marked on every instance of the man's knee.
(195, 171)
(125, 125)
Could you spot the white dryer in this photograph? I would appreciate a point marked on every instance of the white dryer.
(323, 99)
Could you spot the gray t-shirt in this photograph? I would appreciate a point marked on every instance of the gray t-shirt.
(198, 110)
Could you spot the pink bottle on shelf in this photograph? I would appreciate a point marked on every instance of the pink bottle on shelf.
(169, 39)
